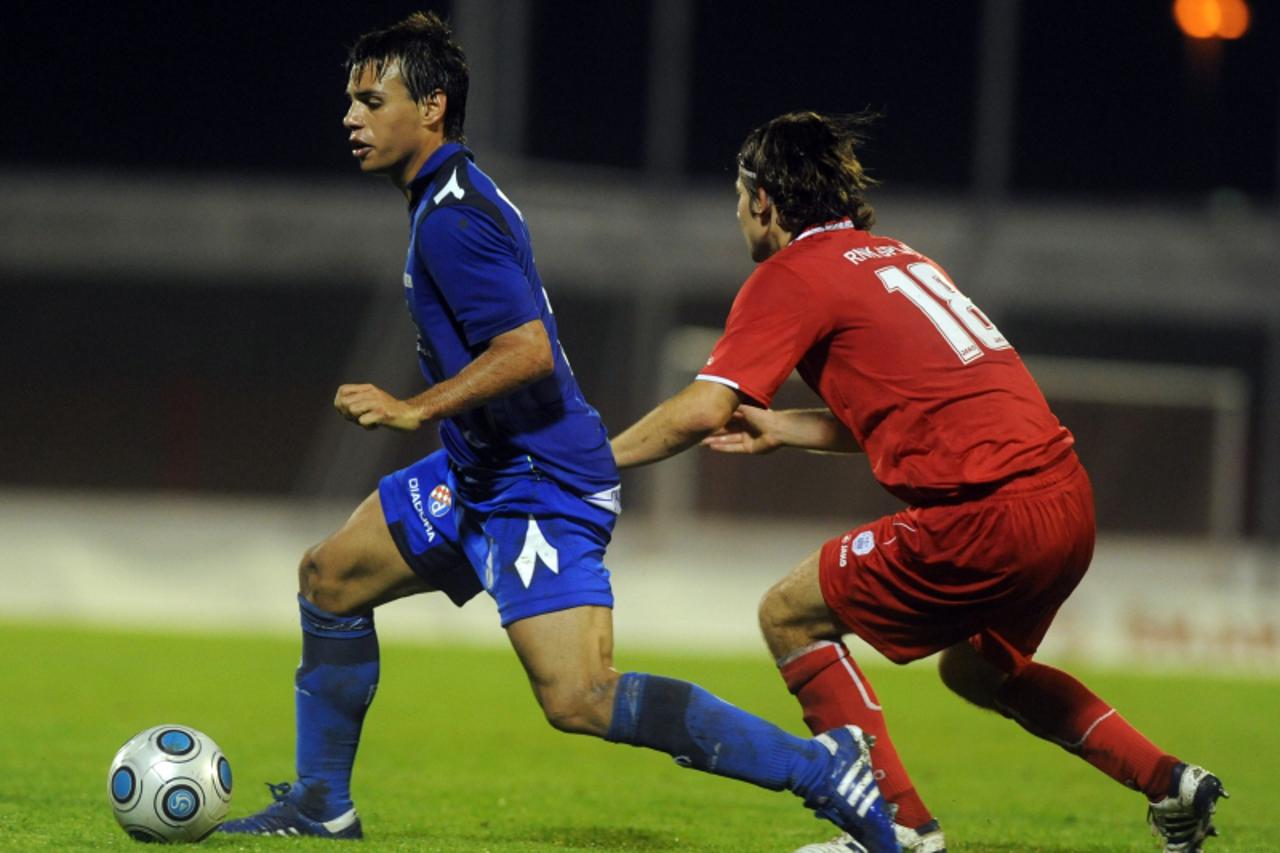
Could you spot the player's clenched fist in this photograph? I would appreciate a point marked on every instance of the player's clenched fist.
(371, 407)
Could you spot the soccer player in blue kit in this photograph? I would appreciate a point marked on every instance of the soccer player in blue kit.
(521, 501)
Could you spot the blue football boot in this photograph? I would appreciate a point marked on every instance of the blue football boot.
(285, 817)
(850, 797)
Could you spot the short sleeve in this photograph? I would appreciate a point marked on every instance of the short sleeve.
(474, 265)
(773, 323)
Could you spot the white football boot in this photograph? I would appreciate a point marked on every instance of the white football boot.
(843, 844)
(910, 840)
(1185, 819)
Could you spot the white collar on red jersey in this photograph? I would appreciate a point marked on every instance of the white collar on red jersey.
(839, 225)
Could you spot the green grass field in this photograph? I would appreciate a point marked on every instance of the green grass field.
(456, 756)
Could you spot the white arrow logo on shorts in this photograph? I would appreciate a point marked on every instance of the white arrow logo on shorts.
(535, 548)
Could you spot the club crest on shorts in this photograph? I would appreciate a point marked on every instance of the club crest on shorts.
(441, 500)
(864, 542)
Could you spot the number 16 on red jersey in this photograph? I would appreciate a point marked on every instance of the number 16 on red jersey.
(962, 325)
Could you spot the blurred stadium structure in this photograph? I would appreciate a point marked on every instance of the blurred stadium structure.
(173, 340)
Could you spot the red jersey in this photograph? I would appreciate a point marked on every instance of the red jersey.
(934, 394)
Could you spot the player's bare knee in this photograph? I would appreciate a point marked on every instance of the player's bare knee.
(783, 628)
(306, 572)
(565, 717)
(328, 598)
(578, 709)
(325, 583)
(772, 613)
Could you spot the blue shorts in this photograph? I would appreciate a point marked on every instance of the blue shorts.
(535, 547)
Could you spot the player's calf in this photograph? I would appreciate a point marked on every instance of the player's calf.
(834, 692)
(830, 773)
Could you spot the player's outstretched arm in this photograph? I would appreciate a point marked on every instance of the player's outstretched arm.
(755, 430)
(514, 359)
(677, 424)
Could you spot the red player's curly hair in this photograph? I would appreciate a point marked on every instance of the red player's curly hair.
(807, 164)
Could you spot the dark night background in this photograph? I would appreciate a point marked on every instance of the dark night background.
(1113, 107)
(1107, 99)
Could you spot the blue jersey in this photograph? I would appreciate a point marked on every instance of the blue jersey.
(469, 277)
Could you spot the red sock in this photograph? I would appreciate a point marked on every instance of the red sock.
(833, 692)
(1052, 705)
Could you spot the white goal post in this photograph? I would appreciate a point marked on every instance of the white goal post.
(1223, 392)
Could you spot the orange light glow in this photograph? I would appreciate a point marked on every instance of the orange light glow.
(1204, 19)
(1235, 19)
(1198, 18)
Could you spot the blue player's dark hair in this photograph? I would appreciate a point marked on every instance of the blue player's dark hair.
(807, 163)
(422, 46)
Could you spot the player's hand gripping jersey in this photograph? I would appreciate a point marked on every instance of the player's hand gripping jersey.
(934, 394)
(469, 277)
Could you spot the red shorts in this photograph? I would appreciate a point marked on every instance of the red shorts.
(993, 571)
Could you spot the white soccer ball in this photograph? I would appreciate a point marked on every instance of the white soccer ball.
(169, 783)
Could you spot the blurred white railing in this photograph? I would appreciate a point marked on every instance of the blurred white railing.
(176, 562)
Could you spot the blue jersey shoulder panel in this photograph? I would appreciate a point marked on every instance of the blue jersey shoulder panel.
(454, 186)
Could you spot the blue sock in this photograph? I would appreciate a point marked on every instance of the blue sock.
(333, 687)
(709, 734)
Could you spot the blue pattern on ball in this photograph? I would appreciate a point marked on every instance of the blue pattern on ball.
(224, 774)
(175, 742)
(122, 784)
(181, 803)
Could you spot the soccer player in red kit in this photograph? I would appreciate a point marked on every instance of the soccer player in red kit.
(999, 524)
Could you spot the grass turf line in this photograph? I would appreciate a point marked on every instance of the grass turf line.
(456, 756)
